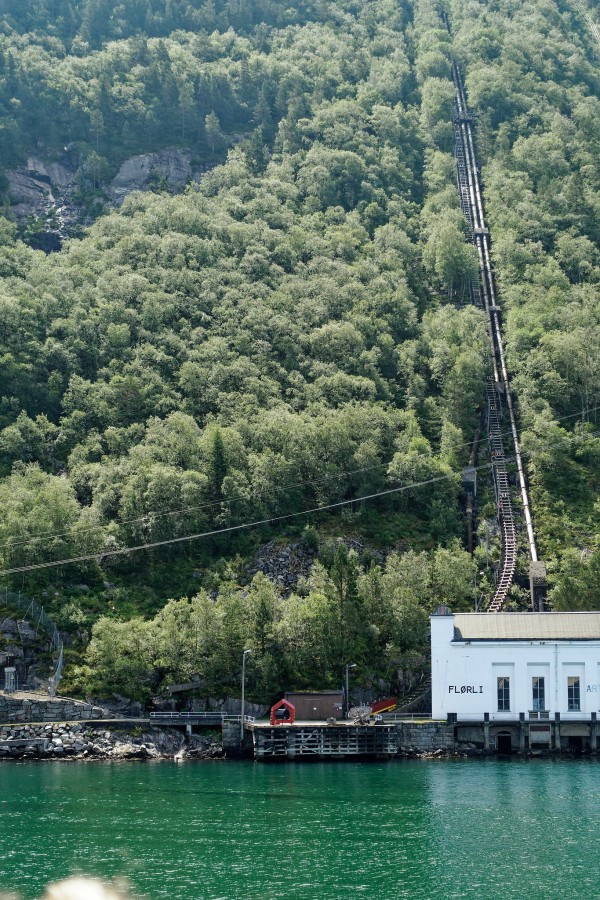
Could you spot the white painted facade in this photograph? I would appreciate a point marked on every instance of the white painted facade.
(468, 660)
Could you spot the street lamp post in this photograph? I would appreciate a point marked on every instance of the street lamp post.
(478, 596)
(244, 655)
(347, 694)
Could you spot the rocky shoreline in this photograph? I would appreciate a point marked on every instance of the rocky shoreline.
(60, 740)
(78, 741)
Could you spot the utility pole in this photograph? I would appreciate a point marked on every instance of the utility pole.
(347, 694)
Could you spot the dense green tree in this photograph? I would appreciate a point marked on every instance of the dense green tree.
(120, 659)
(342, 613)
(577, 583)
(41, 520)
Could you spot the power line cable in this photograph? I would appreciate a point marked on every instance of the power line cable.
(159, 514)
(187, 509)
(101, 555)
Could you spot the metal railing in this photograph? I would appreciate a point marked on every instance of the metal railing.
(199, 717)
(471, 203)
(390, 718)
(503, 501)
(489, 292)
(188, 716)
(36, 614)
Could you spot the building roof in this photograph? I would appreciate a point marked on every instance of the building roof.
(527, 626)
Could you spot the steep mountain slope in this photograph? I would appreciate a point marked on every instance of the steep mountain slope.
(294, 330)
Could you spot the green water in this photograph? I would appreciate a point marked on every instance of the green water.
(433, 829)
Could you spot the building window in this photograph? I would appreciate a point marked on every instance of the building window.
(573, 693)
(539, 700)
(503, 694)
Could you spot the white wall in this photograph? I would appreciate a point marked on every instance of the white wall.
(464, 674)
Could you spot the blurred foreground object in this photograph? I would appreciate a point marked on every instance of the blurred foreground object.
(86, 889)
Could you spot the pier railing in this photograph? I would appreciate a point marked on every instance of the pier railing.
(199, 717)
(391, 718)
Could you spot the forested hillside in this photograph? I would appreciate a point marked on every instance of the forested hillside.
(110, 79)
(295, 330)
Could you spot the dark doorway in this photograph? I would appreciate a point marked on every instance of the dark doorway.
(576, 744)
(504, 744)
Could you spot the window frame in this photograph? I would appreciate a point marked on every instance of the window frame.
(574, 693)
(538, 693)
(503, 693)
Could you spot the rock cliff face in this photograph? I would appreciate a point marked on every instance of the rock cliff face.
(173, 167)
(44, 191)
(35, 182)
(21, 648)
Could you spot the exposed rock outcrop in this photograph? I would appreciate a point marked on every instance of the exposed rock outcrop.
(26, 649)
(33, 186)
(286, 564)
(45, 191)
(174, 166)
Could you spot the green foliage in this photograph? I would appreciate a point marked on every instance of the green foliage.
(310, 538)
(578, 583)
(123, 656)
(242, 350)
(293, 331)
(41, 517)
(372, 617)
(107, 80)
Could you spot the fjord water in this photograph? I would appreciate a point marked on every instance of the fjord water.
(432, 829)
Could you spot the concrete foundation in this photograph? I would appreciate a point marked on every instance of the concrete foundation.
(427, 736)
(233, 746)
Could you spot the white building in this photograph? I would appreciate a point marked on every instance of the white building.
(515, 665)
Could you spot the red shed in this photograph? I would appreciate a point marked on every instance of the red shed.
(283, 713)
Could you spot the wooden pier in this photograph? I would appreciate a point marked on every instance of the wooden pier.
(319, 740)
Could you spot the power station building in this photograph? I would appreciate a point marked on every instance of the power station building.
(507, 669)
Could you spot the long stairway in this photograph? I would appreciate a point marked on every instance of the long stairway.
(503, 501)
(499, 400)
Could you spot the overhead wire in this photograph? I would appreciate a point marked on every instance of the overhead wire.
(121, 551)
(159, 514)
